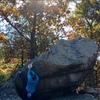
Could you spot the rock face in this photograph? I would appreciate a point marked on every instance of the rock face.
(62, 68)
(76, 97)
(90, 90)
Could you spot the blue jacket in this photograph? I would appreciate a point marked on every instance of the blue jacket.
(31, 84)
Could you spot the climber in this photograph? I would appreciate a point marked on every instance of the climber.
(32, 82)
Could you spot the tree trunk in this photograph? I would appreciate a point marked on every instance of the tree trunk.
(33, 40)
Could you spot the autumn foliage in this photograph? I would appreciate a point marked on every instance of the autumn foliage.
(2, 39)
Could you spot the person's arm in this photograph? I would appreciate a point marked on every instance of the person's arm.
(31, 74)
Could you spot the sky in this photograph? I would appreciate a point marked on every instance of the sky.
(98, 58)
(72, 6)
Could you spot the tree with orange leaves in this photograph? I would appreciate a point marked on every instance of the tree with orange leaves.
(2, 39)
(34, 20)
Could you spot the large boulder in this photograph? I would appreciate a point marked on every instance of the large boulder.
(90, 90)
(62, 68)
(76, 97)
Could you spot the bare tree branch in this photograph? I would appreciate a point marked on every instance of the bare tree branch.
(5, 17)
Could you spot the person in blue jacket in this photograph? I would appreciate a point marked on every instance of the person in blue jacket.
(32, 82)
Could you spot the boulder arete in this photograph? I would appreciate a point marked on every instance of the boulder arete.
(62, 68)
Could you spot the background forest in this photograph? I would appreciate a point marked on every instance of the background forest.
(30, 27)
